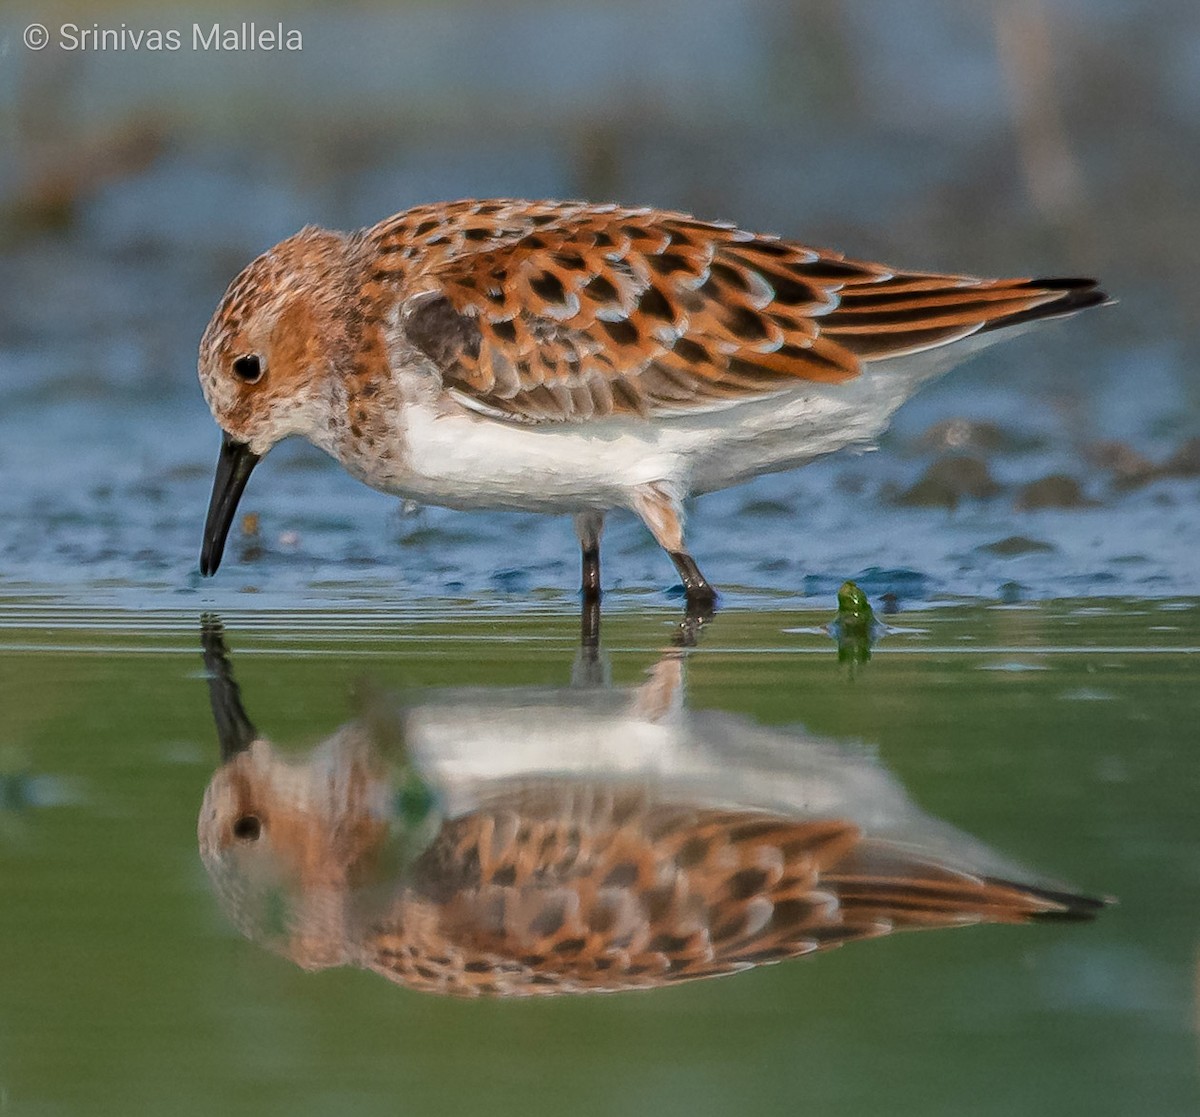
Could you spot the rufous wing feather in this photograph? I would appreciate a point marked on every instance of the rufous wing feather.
(602, 890)
(556, 312)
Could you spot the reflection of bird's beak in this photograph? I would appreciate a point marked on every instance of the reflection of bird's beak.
(235, 731)
(234, 466)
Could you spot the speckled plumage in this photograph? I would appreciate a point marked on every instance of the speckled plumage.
(567, 357)
(546, 886)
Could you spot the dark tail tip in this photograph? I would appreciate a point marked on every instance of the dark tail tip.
(1066, 907)
(1076, 293)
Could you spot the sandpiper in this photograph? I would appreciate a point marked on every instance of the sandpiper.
(564, 357)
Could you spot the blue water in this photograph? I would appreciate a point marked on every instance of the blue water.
(106, 488)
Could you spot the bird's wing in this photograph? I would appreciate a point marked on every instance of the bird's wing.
(559, 312)
(578, 890)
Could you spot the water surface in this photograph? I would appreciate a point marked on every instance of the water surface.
(1057, 738)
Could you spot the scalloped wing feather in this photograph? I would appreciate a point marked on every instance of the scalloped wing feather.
(593, 890)
(559, 312)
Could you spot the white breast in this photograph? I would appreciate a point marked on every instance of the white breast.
(460, 459)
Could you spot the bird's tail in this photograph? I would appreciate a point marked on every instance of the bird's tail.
(883, 881)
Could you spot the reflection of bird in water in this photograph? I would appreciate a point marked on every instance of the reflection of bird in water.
(620, 867)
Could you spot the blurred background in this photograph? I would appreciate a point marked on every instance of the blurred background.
(1013, 137)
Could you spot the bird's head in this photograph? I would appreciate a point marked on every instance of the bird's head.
(269, 359)
(288, 841)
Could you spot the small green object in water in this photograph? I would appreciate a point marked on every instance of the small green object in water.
(854, 610)
(855, 626)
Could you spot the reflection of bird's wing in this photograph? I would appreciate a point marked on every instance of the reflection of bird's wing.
(569, 888)
(466, 740)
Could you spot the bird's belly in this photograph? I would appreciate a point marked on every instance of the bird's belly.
(462, 460)
(786, 431)
(465, 461)
(794, 430)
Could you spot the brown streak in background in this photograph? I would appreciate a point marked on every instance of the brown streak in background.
(1051, 170)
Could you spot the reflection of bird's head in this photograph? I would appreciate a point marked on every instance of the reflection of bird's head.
(285, 842)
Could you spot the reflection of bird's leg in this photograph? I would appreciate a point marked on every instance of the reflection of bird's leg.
(662, 693)
(235, 730)
(695, 616)
(590, 668)
(589, 625)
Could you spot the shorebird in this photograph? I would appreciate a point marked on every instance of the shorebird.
(564, 357)
(519, 842)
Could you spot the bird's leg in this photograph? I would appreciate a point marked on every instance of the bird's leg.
(699, 592)
(588, 526)
(662, 514)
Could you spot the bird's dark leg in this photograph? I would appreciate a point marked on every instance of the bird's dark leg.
(661, 513)
(588, 526)
(695, 585)
(590, 582)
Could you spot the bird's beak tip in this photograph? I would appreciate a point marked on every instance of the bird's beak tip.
(234, 466)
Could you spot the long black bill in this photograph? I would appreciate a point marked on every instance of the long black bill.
(235, 730)
(234, 467)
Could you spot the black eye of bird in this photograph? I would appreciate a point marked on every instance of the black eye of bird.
(248, 828)
(248, 368)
